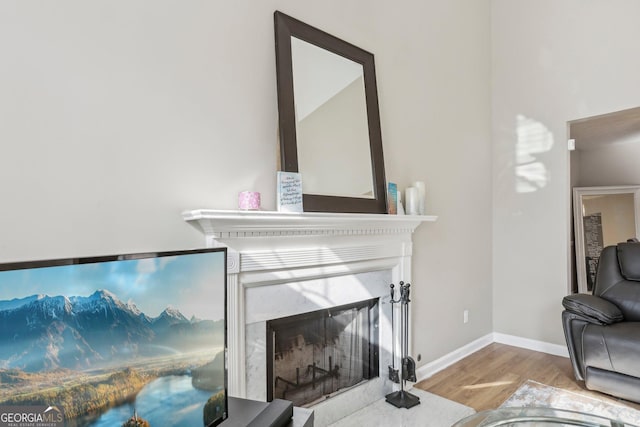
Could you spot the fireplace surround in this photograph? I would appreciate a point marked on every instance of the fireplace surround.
(285, 264)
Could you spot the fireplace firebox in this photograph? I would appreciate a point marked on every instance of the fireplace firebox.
(314, 355)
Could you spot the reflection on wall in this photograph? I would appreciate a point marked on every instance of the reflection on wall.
(532, 138)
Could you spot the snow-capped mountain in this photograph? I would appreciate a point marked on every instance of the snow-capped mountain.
(17, 302)
(42, 332)
(169, 317)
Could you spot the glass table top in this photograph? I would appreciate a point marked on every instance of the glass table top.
(536, 417)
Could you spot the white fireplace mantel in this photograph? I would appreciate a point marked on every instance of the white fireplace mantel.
(267, 249)
(221, 224)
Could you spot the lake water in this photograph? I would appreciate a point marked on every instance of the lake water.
(166, 401)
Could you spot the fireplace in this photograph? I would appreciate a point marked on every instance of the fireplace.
(315, 355)
(283, 264)
(337, 301)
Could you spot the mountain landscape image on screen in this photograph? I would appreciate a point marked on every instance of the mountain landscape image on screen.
(87, 354)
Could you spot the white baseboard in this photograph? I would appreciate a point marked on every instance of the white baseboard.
(544, 347)
(429, 369)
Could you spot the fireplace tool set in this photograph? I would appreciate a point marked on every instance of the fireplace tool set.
(407, 372)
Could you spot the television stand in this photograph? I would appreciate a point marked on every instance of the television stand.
(254, 413)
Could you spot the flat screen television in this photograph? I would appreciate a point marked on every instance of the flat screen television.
(115, 340)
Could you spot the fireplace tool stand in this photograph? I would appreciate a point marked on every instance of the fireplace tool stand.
(402, 398)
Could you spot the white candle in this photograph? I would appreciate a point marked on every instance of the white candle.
(421, 196)
(400, 204)
(411, 200)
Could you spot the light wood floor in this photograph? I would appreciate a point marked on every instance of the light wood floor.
(485, 379)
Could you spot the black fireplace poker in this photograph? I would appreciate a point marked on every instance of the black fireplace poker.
(402, 398)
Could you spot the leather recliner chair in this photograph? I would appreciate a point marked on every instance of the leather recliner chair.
(603, 329)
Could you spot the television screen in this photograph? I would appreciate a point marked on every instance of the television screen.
(128, 340)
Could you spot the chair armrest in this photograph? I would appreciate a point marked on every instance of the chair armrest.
(593, 309)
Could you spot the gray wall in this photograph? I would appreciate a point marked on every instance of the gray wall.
(552, 62)
(115, 116)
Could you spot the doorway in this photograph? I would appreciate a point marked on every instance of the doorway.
(607, 153)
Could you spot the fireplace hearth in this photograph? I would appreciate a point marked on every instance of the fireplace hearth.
(315, 355)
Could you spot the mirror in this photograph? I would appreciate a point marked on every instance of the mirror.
(603, 216)
(329, 119)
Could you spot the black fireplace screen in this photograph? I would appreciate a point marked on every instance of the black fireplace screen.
(313, 355)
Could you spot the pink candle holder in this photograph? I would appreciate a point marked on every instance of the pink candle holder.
(249, 200)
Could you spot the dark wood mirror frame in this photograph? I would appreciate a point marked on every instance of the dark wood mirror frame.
(285, 28)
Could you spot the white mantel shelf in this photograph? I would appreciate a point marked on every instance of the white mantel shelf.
(238, 224)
